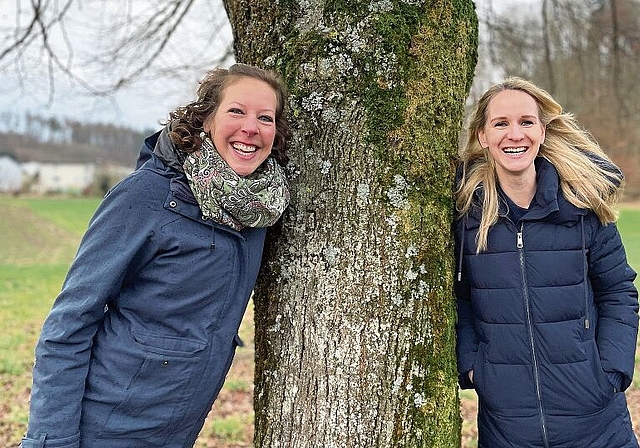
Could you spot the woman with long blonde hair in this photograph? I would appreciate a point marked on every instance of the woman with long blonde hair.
(547, 308)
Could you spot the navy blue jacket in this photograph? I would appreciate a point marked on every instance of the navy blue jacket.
(139, 341)
(546, 316)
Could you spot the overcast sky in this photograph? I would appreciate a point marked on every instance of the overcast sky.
(26, 86)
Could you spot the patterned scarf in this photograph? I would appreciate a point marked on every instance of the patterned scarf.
(256, 200)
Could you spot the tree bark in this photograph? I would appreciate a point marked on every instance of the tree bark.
(354, 308)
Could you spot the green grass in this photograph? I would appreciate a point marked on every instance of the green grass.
(230, 428)
(38, 239)
(69, 214)
(629, 225)
(234, 384)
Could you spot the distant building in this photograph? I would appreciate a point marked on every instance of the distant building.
(10, 175)
(64, 177)
(42, 175)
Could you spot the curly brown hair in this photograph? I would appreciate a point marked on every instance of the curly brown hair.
(187, 122)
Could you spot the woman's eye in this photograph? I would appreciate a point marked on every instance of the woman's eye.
(235, 110)
(266, 118)
(527, 123)
(500, 124)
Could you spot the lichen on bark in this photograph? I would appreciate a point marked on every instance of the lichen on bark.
(354, 308)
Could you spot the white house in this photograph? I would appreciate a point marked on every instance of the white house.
(64, 177)
(10, 174)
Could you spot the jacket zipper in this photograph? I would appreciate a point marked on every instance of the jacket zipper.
(527, 306)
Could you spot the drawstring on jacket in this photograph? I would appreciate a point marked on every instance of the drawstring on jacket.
(585, 274)
(464, 229)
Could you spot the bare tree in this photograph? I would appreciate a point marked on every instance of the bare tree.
(616, 56)
(546, 34)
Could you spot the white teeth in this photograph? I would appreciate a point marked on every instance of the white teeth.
(515, 150)
(244, 148)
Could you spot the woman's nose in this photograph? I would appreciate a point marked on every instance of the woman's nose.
(250, 125)
(515, 133)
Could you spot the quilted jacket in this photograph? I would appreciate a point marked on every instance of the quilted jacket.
(547, 315)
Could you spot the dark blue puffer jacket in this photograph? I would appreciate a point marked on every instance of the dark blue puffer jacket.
(545, 316)
(138, 343)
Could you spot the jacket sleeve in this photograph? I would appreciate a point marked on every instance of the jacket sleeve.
(616, 300)
(466, 337)
(111, 247)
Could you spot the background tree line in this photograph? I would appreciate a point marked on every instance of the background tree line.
(584, 52)
(32, 137)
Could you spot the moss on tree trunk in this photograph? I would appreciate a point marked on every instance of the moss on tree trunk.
(355, 343)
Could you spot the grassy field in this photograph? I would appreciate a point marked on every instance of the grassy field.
(38, 239)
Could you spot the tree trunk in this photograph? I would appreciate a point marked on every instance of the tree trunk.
(354, 308)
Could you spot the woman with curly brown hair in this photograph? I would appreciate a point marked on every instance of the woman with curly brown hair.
(139, 341)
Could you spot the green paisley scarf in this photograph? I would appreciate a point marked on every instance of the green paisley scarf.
(256, 200)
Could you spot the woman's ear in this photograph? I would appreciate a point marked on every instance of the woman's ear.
(482, 139)
(206, 125)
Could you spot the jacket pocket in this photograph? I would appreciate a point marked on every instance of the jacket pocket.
(159, 391)
(505, 389)
(580, 388)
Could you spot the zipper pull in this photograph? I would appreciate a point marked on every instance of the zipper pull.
(519, 240)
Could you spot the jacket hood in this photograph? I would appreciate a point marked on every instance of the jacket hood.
(613, 173)
(147, 149)
(161, 145)
(166, 151)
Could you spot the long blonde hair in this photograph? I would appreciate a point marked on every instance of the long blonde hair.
(583, 182)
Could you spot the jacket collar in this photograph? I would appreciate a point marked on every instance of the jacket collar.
(549, 203)
(159, 151)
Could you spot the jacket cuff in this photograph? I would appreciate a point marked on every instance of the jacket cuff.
(617, 380)
(45, 442)
(465, 382)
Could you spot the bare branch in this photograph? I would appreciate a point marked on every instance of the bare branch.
(179, 16)
(23, 36)
(546, 36)
(137, 46)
